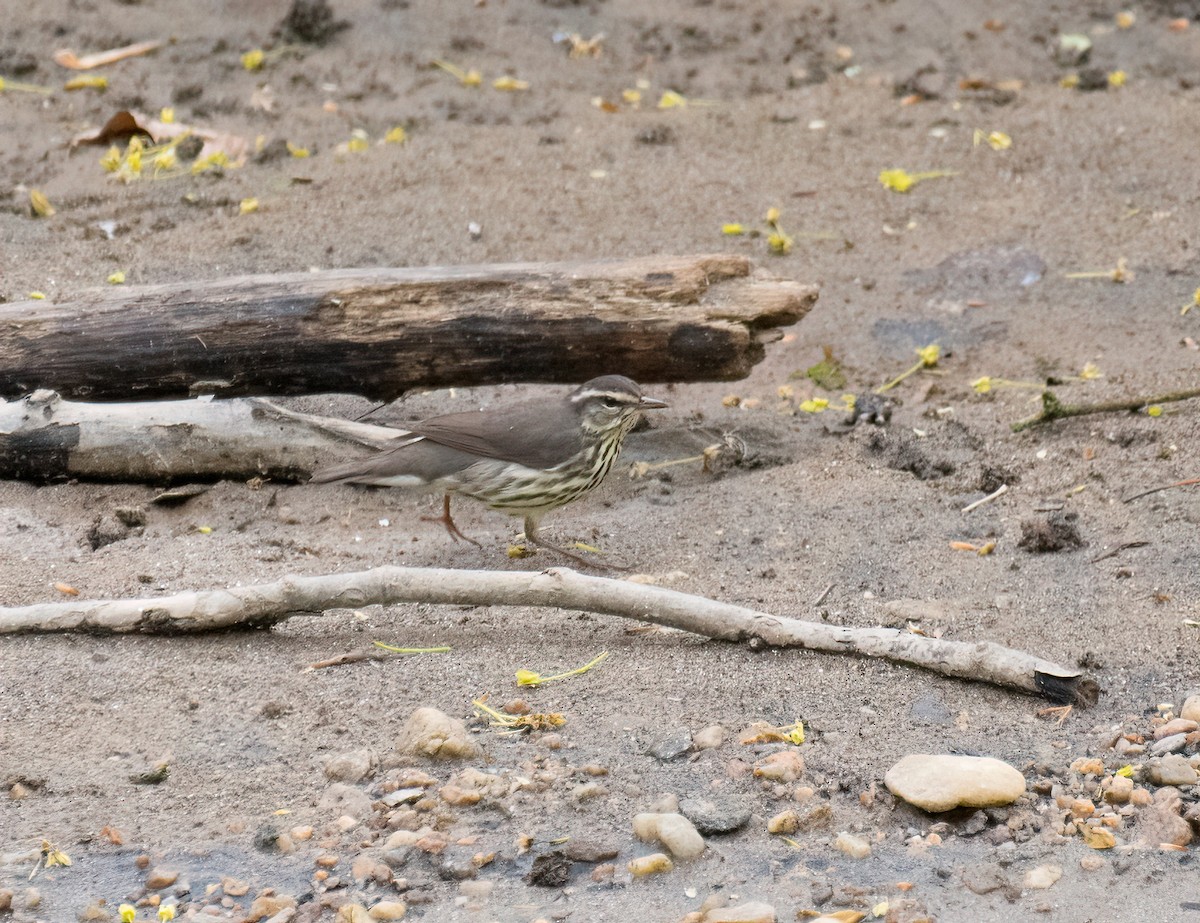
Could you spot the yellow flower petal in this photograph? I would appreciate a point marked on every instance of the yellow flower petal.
(1117, 78)
(253, 60)
(38, 296)
(116, 278)
(732, 230)
(297, 151)
(982, 385)
(39, 204)
(671, 100)
(248, 206)
(396, 135)
(167, 115)
(86, 83)
(509, 83)
(128, 913)
(1155, 410)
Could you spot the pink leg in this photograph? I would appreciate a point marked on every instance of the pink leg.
(446, 520)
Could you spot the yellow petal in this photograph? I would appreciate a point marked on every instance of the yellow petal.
(38, 296)
(396, 135)
(128, 913)
(897, 180)
(982, 385)
(296, 151)
(1155, 410)
(929, 354)
(40, 204)
(509, 83)
(671, 100)
(253, 60)
(167, 115)
(116, 278)
(86, 83)
(1117, 78)
(248, 206)
(732, 230)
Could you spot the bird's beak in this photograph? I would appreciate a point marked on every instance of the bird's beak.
(651, 403)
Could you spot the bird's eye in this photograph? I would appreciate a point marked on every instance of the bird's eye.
(610, 402)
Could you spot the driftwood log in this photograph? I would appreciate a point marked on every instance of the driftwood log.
(45, 438)
(382, 332)
(558, 587)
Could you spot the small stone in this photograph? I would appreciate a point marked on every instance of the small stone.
(717, 815)
(753, 912)
(1081, 808)
(455, 863)
(817, 817)
(1140, 797)
(301, 833)
(671, 744)
(267, 905)
(551, 741)
(603, 873)
(1172, 744)
(709, 738)
(653, 864)
(32, 898)
(1042, 877)
(588, 791)
(430, 732)
(1118, 789)
(1175, 726)
(665, 804)
(234, 887)
(6, 900)
(340, 800)
(784, 822)
(585, 849)
(453, 794)
(160, 878)
(352, 766)
(1097, 837)
(19, 791)
(784, 766)
(142, 862)
(1171, 770)
(1191, 708)
(943, 781)
(674, 831)
(347, 913)
(1088, 766)
(388, 910)
(853, 846)
(984, 879)
(1160, 825)
(1092, 863)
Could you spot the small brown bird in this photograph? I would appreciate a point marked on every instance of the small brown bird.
(525, 458)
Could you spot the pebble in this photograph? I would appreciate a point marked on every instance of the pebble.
(160, 878)
(817, 817)
(347, 913)
(653, 864)
(388, 910)
(1042, 877)
(431, 732)
(1171, 770)
(352, 766)
(585, 849)
(19, 791)
(784, 822)
(1172, 744)
(671, 744)
(588, 791)
(853, 846)
(709, 738)
(984, 879)
(1092, 863)
(1162, 824)
(1118, 790)
(1175, 726)
(1191, 708)
(234, 887)
(6, 900)
(752, 912)
(940, 782)
(674, 831)
(267, 905)
(341, 800)
(784, 766)
(717, 815)
(455, 863)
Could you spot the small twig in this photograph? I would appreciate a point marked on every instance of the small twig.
(824, 593)
(352, 657)
(1116, 551)
(1054, 409)
(999, 491)
(1153, 490)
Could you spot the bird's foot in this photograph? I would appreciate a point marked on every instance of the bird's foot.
(451, 526)
(572, 556)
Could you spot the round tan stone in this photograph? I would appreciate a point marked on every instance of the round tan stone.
(941, 782)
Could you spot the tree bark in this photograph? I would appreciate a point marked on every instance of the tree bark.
(558, 587)
(382, 332)
(44, 438)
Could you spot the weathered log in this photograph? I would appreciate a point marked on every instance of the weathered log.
(382, 332)
(269, 603)
(44, 438)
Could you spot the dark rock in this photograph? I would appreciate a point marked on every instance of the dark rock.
(671, 744)
(454, 863)
(718, 815)
(310, 22)
(656, 134)
(585, 849)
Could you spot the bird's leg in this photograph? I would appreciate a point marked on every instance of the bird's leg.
(531, 536)
(445, 519)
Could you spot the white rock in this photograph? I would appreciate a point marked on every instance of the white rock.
(753, 912)
(674, 831)
(940, 782)
(1191, 708)
(430, 732)
(853, 846)
(1042, 877)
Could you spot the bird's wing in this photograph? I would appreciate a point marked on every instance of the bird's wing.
(537, 436)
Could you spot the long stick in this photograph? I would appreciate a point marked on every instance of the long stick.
(1053, 409)
(266, 604)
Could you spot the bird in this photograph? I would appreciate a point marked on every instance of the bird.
(524, 459)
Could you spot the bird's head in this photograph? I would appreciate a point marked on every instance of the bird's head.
(610, 404)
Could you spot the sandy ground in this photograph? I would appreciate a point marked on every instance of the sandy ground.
(792, 106)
